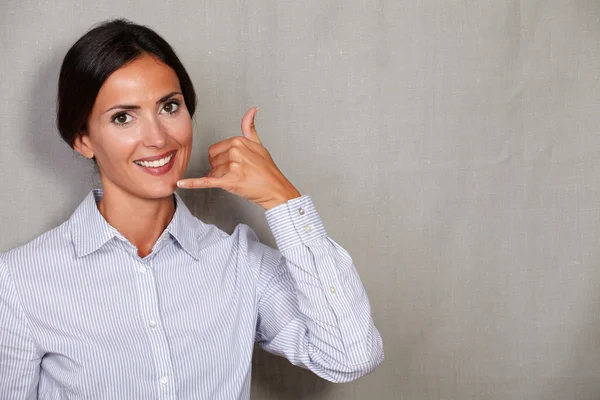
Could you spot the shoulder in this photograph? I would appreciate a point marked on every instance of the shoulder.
(209, 233)
(245, 233)
(240, 239)
(257, 254)
(243, 240)
(247, 239)
(50, 245)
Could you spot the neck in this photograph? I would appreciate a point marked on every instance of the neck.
(141, 221)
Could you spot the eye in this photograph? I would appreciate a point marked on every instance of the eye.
(122, 119)
(171, 107)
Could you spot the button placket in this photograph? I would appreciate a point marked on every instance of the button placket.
(150, 312)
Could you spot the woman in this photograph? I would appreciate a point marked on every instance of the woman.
(133, 297)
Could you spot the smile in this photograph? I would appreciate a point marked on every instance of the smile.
(156, 163)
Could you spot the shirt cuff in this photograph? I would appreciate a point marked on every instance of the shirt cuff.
(295, 222)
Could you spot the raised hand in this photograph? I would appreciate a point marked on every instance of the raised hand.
(242, 166)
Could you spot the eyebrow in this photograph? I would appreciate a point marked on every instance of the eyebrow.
(133, 107)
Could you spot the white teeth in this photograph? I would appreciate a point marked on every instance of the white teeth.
(155, 164)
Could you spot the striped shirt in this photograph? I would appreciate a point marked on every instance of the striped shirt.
(82, 316)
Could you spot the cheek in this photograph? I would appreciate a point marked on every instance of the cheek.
(116, 145)
(181, 131)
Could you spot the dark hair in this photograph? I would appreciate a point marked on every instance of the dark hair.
(97, 54)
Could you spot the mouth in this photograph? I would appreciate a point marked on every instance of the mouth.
(157, 165)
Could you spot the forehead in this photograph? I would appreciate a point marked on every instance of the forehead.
(145, 79)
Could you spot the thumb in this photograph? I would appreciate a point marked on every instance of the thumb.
(248, 128)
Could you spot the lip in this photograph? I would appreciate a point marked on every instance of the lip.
(156, 158)
(159, 170)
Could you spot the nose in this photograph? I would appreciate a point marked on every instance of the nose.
(155, 134)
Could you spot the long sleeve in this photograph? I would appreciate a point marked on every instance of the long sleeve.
(19, 362)
(312, 306)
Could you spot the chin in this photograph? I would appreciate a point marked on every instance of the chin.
(157, 192)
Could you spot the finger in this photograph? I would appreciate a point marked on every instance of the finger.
(227, 156)
(219, 171)
(204, 183)
(239, 142)
(248, 128)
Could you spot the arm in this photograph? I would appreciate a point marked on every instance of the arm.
(312, 306)
(19, 361)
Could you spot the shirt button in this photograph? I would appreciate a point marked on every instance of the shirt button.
(142, 269)
(332, 289)
(301, 211)
(308, 228)
(164, 380)
(152, 323)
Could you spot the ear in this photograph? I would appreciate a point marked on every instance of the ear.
(83, 145)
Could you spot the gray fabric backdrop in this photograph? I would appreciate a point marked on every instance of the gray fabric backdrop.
(453, 149)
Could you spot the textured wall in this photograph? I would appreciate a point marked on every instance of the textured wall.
(452, 149)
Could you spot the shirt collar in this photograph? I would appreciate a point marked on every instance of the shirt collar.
(186, 229)
(90, 231)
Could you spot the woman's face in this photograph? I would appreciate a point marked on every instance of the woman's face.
(139, 130)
